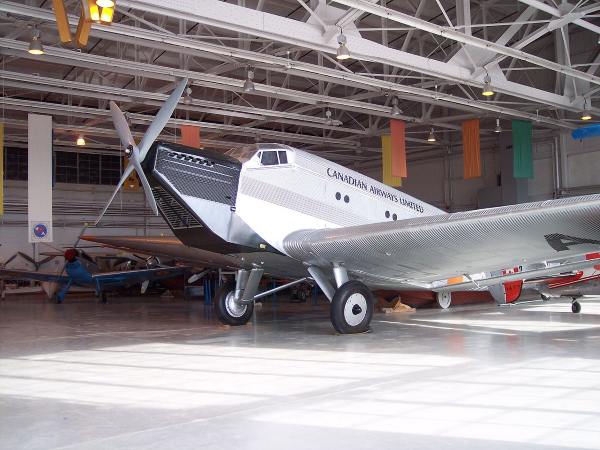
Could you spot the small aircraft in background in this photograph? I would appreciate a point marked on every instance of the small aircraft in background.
(82, 271)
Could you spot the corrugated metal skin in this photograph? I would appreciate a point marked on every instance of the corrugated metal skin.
(198, 177)
(437, 247)
(175, 214)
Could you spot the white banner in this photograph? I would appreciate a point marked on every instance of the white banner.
(39, 188)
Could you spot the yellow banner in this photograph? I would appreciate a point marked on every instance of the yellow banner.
(1, 168)
(388, 178)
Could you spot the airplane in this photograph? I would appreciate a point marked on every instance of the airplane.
(289, 210)
(82, 272)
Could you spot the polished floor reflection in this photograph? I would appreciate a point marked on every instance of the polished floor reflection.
(158, 374)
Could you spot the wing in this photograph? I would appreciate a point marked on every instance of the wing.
(419, 251)
(38, 276)
(113, 279)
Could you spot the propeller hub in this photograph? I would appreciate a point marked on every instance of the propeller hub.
(71, 255)
(128, 151)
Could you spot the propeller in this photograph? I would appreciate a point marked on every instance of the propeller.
(71, 253)
(138, 154)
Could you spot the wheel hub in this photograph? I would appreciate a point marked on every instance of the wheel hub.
(355, 309)
(234, 308)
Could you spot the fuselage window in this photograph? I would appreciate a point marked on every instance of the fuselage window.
(269, 159)
(282, 157)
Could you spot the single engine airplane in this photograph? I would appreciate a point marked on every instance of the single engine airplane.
(84, 273)
(287, 210)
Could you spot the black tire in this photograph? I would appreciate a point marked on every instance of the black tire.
(575, 307)
(103, 298)
(352, 308)
(229, 312)
(302, 295)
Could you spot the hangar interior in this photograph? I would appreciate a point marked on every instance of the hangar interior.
(163, 374)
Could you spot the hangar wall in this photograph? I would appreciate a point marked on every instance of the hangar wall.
(439, 180)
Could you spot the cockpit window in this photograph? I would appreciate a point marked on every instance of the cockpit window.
(282, 157)
(269, 159)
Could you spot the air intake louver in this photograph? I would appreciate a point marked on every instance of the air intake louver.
(175, 214)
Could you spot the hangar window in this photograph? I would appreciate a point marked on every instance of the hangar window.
(15, 163)
(70, 167)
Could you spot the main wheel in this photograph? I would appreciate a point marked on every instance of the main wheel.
(444, 299)
(575, 307)
(352, 308)
(228, 311)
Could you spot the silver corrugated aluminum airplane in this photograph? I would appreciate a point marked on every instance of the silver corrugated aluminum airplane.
(289, 212)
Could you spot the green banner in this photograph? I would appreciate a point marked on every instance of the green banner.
(522, 149)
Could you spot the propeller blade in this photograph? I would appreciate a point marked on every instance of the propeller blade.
(121, 125)
(126, 174)
(161, 119)
(138, 167)
(85, 225)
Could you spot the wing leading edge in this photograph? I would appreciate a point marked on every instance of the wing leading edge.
(419, 251)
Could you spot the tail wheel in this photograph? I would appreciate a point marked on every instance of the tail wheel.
(575, 307)
(228, 310)
(352, 308)
(444, 299)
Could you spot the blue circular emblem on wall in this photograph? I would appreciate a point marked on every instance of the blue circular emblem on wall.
(40, 230)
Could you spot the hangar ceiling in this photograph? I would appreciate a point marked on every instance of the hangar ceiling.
(542, 58)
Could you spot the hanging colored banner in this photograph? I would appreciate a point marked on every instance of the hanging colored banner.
(190, 136)
(522, 148)
(471, 149)
(398, 148)
(388, 178)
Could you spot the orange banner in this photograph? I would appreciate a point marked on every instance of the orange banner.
(471, 149)
(388, 178)
(190, 136)
(398, 148)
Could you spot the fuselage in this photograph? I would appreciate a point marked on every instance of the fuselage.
(212, 201)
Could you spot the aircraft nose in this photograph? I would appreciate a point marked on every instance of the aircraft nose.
(71, 255)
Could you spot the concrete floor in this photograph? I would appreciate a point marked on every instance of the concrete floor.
(161, 374)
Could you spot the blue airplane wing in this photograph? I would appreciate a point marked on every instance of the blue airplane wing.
(113, 279)
(38, 276)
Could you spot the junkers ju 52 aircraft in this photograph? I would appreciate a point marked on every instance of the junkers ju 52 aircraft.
(286, 210)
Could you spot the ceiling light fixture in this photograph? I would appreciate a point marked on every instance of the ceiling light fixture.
(288, 64)
(105, 3)
(80, 140)
(342, 51)
(487, 87)
(106, 16)
(396, 111)
(498, 128)
(431, 137)
(328, 120)
(187, 100)
(36, 48)
(585, 114)
(249, 84)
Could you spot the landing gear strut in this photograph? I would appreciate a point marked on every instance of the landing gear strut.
(234, 300)
(228, 310)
